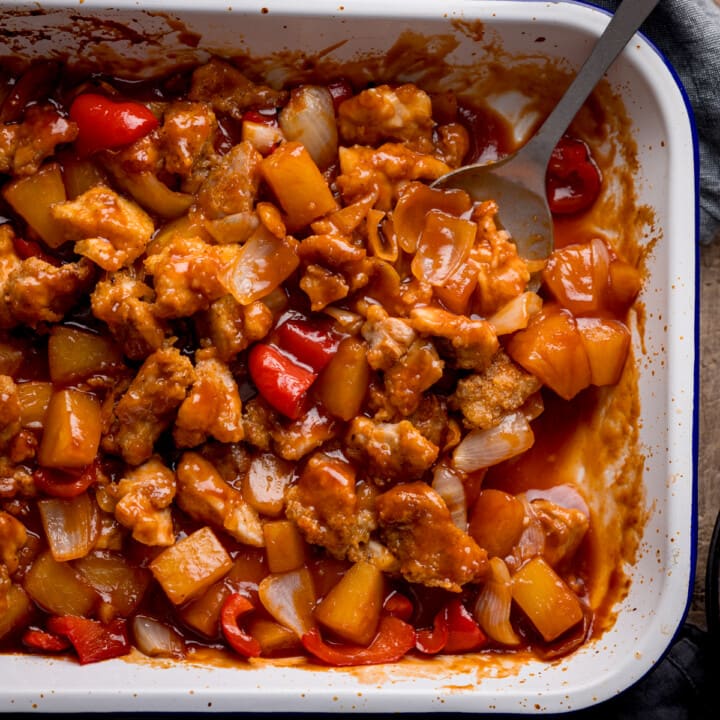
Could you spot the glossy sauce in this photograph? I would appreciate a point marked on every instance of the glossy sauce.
(564, 433)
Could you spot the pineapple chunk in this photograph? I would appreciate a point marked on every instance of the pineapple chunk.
(72, 429)
(79, 175)
(272, 636)
(121, 584)
(77, 355)
(203, 613)
(298, 184)
(545, 598)
(606, 342)
(34, 398)
(352, 607)
(189, 567)
(284, 545)
(57, 588)
(343, 383)
(32, 198)
(15, 611)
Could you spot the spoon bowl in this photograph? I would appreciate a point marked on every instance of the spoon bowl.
(517, 182)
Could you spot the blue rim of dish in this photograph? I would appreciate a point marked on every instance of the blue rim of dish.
(712, 578)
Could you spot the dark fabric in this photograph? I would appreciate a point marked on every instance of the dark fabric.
(678, 688)
(687, 32)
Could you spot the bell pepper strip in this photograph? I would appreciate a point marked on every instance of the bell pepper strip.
(261, 118)
(311, 344)
(280, 380)
(44, 641)
(394, 638)
(433, 640)
(107, 124)
(398, 605)
(573, 179)
(340, 91)
(464, 634)
(30, 248)
(93, 641)
(234, 606)
(59, 484)
(454, 630)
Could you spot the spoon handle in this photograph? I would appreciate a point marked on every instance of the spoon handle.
(622, 26)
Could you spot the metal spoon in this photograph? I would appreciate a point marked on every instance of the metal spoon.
(517, 182)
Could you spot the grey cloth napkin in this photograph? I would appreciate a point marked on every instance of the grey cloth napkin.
(687, 32)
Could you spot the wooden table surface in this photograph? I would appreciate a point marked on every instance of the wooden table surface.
(709, 398)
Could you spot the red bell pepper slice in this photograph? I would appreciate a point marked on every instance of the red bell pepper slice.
(44, 641)
(433, 640)
(398, 605)
(107, 124)
(30, 248)
(310, 343)
(281, 381)
(261, 118)
(59, 484)
(92, 640)
(573, 179)
(340, 91)
(394, 638)
(234, 606)
(454, 631)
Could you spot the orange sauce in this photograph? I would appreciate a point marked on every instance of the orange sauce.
(576, 441)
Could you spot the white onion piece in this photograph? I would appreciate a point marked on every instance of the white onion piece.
(71, 525)
(492, 607)
(260, 266)
(534, 406)
(516, 313)
(235, 228)
(483, 448)
(309, 118)
(346, 320)
(263, 137)
(532, 540)
(379, 556)
(153, 194)
(451, 489)
(565, 496)
(156, 639)
(290, 599)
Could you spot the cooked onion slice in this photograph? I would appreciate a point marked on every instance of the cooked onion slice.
(492, 608)
(309, 118)
(451, 489)
(347, 321)
(290, 598)
(235, 228)
(154, 195)
(483, 448)
(260, 266)
(443, 246)
(565, 496)
(415, 202)
(532, 541)
(156, 639)
(71, 525)
(516, 313)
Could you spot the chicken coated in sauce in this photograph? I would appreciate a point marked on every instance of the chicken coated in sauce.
(255, 319)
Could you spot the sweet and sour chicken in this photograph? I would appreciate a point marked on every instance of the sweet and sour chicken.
(254, 370)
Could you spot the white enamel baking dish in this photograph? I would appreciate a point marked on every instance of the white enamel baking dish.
(665, 181)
